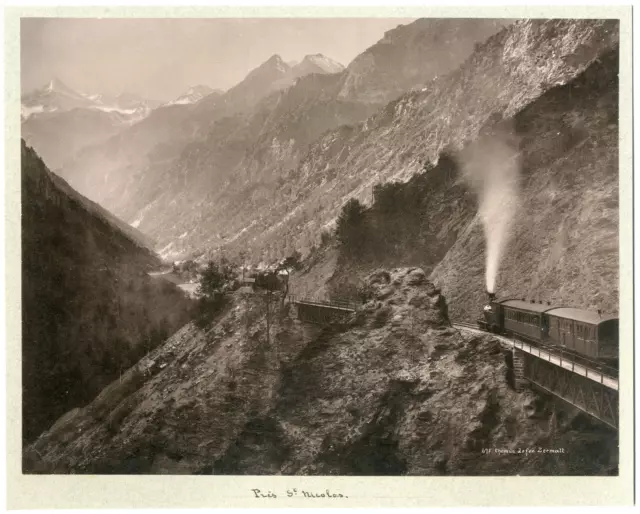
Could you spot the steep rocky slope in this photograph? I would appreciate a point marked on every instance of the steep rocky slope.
(414, 54)
(394, 391)
(239, 157)
(566, 227)
(106, 170)
(502, 76)
(89, 309)
(142, 240)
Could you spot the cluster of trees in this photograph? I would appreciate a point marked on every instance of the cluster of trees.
(217, 277)
(353, 229)
(396, 217)
(187, 270)
(220, 277)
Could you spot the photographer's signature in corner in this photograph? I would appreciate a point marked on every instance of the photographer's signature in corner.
(302, 493)
(535, 449)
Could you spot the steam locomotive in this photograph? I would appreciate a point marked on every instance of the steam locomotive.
(587, 335)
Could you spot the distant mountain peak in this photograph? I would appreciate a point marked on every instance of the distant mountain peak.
(274, 62)
(203, 88)
(275, 58)
(195, 94)
(55, 85)
(328, 65)
(55, 95)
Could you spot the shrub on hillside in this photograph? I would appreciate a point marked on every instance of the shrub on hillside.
(325, 238)
(352, 230)
(217, 279)
(293, 262)
(208, 308)
(269, 281)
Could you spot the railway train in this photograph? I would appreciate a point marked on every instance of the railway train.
(587, 335)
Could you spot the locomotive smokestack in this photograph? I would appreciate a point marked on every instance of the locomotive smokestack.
(492, 296)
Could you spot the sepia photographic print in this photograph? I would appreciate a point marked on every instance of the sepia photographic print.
(303, 252)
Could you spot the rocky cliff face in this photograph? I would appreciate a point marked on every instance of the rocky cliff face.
(413, 55)
(89, 310)
(394, 391)
(240, 158)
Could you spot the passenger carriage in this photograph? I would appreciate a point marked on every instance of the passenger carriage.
(577, 331)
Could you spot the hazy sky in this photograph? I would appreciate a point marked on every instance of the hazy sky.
(161, 58)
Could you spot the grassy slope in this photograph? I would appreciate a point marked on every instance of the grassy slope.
(89, 308)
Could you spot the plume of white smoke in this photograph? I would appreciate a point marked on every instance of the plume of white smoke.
(491, 165)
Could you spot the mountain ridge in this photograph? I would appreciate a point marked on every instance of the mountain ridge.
(161, 137)
(56, 96)
(272, 138)
(392, 144)
(195, 94)
(59, 121)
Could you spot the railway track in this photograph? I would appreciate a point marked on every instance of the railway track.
(474, 328)
(588, 370)
(464, 324)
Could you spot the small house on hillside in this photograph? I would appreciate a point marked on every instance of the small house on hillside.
(247, 285)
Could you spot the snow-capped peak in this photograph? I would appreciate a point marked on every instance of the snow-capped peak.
(323, 62)
(55, 85)
(194, 94)
(56, 96)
